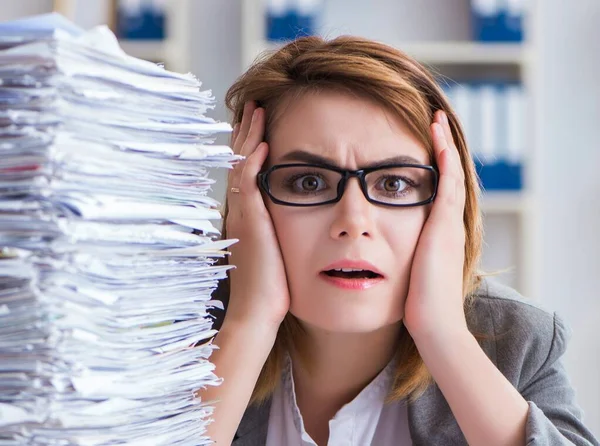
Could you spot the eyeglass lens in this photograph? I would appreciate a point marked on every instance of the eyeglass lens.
(313, 185)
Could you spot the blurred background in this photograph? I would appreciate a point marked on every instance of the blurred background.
(521, 74)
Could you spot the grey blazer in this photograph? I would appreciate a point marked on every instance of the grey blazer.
(526, 345)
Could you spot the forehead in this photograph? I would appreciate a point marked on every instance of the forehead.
(352, 132)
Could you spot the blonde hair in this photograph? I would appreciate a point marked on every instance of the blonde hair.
(402, 86)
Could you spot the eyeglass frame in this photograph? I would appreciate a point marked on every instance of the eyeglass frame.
(262, 181)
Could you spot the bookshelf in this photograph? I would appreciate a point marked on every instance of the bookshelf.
(173, 51)
(434, 53)
(509, 216)
(451, 53)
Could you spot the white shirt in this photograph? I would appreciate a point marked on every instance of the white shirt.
(364, 421)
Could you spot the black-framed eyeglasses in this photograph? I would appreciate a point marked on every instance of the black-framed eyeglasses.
(398, 185)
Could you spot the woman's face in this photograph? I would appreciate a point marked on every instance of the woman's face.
(350, 133)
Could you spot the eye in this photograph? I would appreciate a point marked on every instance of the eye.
(392, 184)
(308, 183)
(302, 181)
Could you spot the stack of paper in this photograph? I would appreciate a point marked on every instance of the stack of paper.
(107, 253)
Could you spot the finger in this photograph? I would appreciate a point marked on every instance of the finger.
(234, 134)
(461, 188)
(447, 213)
(249, 108)
(234, 174)
(255, 134)
(450, 180)
(442, 118)
(447, 183)
(253, 166)
(252, 140)
(249, 196)
(439, 140)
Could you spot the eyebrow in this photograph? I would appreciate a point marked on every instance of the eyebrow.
(313, 158)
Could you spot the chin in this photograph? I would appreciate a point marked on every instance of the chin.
(342, 311)
(346, 320)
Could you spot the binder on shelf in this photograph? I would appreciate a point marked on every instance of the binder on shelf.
(277, 20)
(306, 13)
(488, 101)
(290, 19)
(515, 103)
(497, 20)
(141, 19)
(501, 175)
(492, 117)
(463, 97)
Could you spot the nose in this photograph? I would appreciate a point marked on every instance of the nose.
(353, 214)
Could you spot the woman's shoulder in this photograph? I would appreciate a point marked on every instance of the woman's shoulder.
(500, 310)
(518, 334)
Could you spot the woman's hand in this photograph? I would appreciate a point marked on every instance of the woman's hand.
(259, 291)
(488, 409)
(258, 297)
(434, 305)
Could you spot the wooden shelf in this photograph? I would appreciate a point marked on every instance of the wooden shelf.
(443, 53)
(153, 50)
(465, 53)
(497, 202)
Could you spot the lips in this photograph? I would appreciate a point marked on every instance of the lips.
(353, 269)
(352, 275)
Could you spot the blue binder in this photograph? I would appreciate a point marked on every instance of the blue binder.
(500, 175)
(501, 171)
(499, 26)
(146, 22)
(291, 24)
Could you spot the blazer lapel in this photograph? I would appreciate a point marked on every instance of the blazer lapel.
(430, 420)
(253, 428)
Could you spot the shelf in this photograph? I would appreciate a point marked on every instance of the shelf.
(497, 202)
(465, 53)
(444, 53)
(153, 50)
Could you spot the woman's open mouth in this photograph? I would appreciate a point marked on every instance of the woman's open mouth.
(352, 278)
(350, 273)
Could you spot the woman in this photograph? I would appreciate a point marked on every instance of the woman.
(355, 313)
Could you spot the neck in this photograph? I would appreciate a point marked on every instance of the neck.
(341, 365)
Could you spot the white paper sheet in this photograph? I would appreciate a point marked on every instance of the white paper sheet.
(108, 256)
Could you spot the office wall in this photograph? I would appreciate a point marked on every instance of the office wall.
(14, 9)
(216, 58)
(568, 111)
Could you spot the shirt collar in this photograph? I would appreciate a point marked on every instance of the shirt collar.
(375, 392)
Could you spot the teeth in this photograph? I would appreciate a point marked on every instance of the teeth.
(348, 270)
